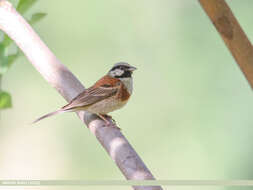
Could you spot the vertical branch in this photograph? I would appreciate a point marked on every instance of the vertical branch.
(56, 74)
(232, 34)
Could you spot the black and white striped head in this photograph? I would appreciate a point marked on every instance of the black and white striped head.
(121, 70)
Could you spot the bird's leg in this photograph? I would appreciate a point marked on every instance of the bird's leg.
(110, 117)
(105, 116)
(113, 121)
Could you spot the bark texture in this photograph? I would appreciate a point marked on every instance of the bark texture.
(232, 34)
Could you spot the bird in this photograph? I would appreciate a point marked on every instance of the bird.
(109, 93)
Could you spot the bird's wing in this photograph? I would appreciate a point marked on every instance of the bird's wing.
(91, 96)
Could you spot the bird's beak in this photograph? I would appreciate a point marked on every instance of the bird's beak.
(132, 68)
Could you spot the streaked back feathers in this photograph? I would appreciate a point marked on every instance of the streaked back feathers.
(109, 93)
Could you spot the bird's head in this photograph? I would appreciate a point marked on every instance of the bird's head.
(121, 70)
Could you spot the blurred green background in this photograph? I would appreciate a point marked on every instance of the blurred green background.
(190, 116)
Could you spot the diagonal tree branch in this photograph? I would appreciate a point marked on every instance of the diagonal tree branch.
(55, 73)
(232, 34)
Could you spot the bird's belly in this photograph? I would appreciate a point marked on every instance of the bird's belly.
(106, 106)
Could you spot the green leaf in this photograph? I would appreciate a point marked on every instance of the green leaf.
(11, 58)
(5, 100)
(3, 60)
(36, 18)
(24, 5)
(7, 41)
(2, 49)
(6, 61)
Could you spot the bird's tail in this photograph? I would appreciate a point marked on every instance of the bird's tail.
(49, 115)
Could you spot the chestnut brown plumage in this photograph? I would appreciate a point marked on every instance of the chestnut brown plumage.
(109, 93)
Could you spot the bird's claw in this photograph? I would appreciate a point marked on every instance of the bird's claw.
(109, 123)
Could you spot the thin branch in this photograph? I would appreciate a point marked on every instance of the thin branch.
(232, 34)
(55, 73)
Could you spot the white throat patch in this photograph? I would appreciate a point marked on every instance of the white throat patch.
(128, 82)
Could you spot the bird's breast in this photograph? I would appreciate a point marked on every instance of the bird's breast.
(107, 105)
